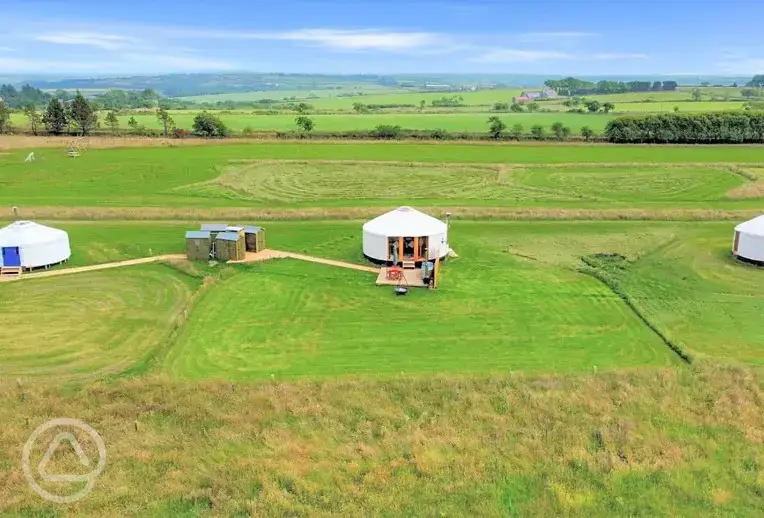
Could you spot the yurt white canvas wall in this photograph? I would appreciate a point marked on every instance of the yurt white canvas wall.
(405, 234)
(748, 242)
(29, 245)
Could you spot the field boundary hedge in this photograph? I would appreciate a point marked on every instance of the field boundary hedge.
(378, 133)
(688, 128)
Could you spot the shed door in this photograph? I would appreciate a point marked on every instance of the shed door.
(736, 243)
(11, 256)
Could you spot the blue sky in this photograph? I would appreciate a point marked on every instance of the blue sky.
(95, 38)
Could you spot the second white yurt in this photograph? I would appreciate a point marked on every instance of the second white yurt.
(30, 245)
(405, 234)
(748, 243)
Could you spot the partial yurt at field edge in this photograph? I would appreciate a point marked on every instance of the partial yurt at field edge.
(405, 234)
(27, 244)
(748, 243)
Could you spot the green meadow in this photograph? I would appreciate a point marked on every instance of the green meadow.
(572, 365)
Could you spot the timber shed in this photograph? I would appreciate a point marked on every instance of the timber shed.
(230, 246)
(255, 238)
(198, 245)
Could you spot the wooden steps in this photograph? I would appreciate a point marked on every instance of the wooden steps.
(408, 265)
(10, 272)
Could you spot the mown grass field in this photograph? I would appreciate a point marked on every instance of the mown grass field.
(88, 325)
(424, 174)
(529, 384)
(514, 300)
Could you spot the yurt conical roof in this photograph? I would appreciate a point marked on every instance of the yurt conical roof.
(24, 233)
(405, 221)
(754, 227)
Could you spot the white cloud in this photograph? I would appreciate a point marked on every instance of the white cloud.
(174, 63)
(361, 40)
(89, 39)
(6, 49)
(615, 55)
(538, 37)
(341, 39)
(519, 56)
(132, 63)
(742, 66)
(529, 56)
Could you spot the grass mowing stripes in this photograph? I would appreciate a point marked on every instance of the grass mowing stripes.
(88, 324)
(206, 176)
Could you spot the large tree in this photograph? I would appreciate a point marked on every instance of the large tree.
(496, 127)
(35, 120)
(305, 124)
(757, 81)
(112, 121)
(165, 120)
(55, 118)
(5, 117)
(82, 114)
(209, 125)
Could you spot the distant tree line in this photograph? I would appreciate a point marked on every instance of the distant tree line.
(17, 99)
(573, 86)
(688, 128)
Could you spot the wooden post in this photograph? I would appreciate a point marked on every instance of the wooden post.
(436, 272)
(400, 249)
(416, 249)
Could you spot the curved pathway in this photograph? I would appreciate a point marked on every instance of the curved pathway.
(250, 257)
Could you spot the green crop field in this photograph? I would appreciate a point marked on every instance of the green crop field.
(573, 364)
(455, 122)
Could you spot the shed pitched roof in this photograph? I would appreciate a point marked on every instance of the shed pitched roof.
(228, 236)
(197, 234)
(215, 227)
(234, 229)
(252, 229)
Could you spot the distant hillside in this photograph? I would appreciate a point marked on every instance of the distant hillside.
(178, 85)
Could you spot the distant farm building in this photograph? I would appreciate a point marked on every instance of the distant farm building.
(748, 242)
(535, 95)
(27, 245)
(405, 235)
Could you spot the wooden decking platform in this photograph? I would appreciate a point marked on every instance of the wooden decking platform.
(413, 279)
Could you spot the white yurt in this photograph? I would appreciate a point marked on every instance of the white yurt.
(29, 245)
(748, 243)
(405, 234)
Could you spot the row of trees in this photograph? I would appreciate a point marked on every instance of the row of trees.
(688, 128)
(572, 86)
(497, 129)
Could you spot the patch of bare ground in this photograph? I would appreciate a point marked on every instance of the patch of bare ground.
(318, 213)
(755, 186)
(466, 445)
(751, 190)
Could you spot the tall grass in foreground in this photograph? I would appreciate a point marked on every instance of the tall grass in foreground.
(657, 442)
